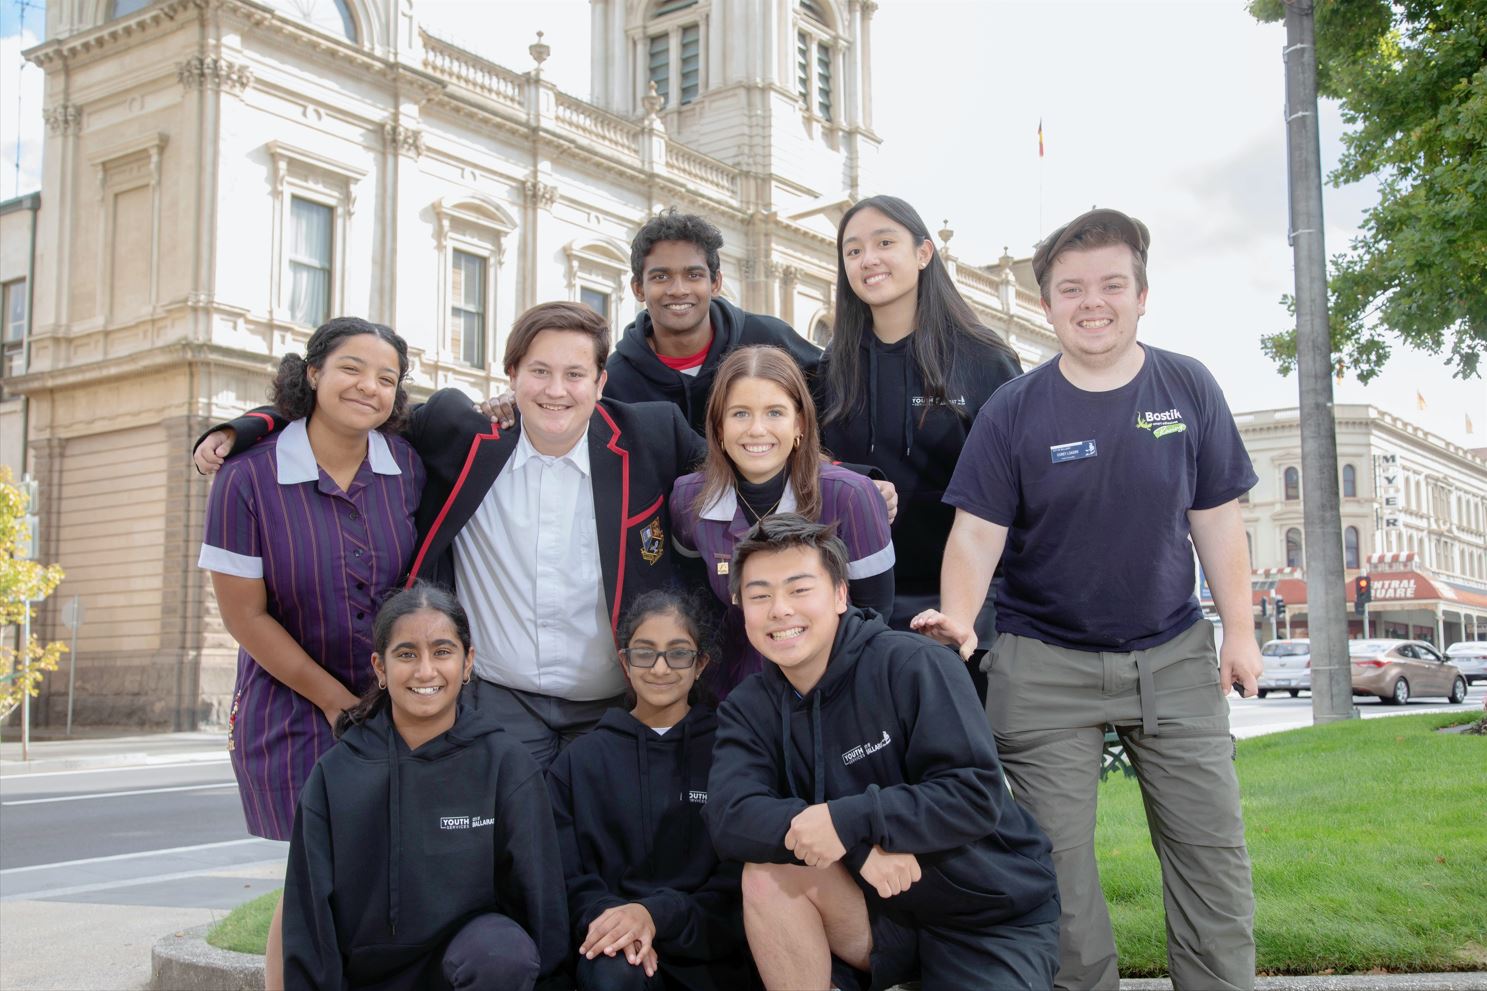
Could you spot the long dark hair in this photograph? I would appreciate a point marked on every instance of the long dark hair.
(772, 364)
(404, 602)
(941, 317)
(291, 394)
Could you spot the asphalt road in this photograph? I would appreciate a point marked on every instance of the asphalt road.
(97, 864)
(1278, 711)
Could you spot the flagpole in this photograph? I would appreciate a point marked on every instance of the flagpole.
(1040, 178)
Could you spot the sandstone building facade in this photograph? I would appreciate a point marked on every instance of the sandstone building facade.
(219, 176)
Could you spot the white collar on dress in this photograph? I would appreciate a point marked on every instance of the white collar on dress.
(725, 506)
(296, 461)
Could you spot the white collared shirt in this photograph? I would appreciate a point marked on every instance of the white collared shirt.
(527, 569)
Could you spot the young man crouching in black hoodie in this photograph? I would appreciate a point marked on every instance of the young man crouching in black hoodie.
(857, 779)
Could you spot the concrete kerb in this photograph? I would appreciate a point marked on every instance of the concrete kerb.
(185, 961)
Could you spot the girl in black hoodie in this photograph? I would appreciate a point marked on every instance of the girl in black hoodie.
(423, 853)
(651, 905)
(908, 368)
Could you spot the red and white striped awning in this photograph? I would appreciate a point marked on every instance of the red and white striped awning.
(1276, 573)
(1393, 561)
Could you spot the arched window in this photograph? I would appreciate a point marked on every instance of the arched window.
(1350, 547)
(821, 332)
(118, 8)
(1349, 482)
(330, 16)
(1293, 548)
(1293, 484)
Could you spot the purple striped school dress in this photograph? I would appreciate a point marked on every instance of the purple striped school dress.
(327, 558)
(848, 499)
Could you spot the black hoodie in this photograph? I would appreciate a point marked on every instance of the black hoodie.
(384, 868)
(628, 805)
(916, 445)
(636, 375)
(895, 744)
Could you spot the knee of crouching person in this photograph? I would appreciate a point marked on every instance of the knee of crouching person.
(763, 883)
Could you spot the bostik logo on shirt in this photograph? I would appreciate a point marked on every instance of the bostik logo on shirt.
(1161, 424)
(465, 822)
(866, 750)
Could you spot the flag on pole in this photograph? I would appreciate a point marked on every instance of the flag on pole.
(1419, 399)
(1468, 423)
(1040, 137)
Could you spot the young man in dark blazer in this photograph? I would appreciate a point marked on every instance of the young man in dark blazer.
(546, 529)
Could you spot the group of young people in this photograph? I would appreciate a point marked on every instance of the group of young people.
(526, 790)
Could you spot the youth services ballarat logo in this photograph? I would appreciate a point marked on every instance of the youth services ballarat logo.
(695, 797)
(652, 541)
(1161, 424)
(465, 822)
(866, 750)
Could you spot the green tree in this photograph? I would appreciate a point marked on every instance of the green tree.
(1411, 76)
(22, 583)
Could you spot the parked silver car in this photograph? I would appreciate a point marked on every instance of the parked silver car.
(1287, 667)
(1470, 658)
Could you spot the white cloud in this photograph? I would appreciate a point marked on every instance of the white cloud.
(20, 115)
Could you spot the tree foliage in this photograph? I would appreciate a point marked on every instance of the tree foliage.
(1411, 77)
(22, 583)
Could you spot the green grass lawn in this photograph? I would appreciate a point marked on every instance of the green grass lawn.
(245, 928)
(1369, 843)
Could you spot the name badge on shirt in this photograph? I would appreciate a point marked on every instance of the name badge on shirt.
(1077, 451)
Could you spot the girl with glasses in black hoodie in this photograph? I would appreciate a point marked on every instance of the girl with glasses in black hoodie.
(423, 853)
(650, 904)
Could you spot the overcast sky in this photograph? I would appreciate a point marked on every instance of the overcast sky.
(1171, 111)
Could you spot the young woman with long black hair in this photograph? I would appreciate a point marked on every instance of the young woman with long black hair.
(908, 366)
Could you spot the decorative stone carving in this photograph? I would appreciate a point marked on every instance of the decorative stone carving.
(215, 73)
(64, 118)
(403, 139)
(540, 193)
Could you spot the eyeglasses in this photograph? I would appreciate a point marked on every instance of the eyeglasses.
(677, 658)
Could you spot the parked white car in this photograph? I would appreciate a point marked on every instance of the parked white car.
(1287, 667)
(1470, 658)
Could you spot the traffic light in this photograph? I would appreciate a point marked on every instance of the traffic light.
(1280, 609)
(1264, 606)
(1362, 593)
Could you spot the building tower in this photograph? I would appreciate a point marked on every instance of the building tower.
(776, 88)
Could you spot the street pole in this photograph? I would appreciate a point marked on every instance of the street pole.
(25, 685)
(1332, 693)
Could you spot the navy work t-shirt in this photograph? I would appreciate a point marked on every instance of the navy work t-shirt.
(1095, 488)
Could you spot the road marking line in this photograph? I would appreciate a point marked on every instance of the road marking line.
(200, 762)
(119, 794)
(7, 872)
(82, 889)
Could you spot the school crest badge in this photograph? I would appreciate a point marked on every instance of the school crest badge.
(652, 541)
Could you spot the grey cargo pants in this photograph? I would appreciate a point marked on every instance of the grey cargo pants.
(1048, 706)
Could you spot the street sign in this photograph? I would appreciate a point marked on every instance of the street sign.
(1391, 522)
(72, 613)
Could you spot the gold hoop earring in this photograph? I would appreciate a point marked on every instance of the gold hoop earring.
(382, 686)
(797, 442)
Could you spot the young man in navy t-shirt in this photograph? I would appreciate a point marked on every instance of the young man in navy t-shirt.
(1091, 473)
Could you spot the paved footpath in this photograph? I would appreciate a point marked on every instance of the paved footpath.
(89, 922)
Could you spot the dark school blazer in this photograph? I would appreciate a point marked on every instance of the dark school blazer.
(636, 452)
